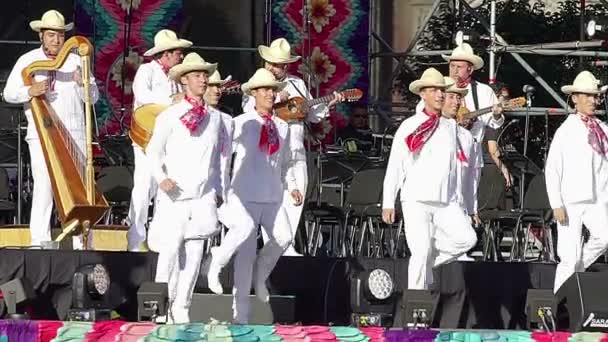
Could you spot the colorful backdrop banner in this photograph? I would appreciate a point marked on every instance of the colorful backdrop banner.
(339, 46)
(104, 22)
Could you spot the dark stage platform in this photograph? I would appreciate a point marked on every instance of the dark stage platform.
(471, 294)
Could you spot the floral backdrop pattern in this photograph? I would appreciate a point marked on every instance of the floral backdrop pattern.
(339, 47)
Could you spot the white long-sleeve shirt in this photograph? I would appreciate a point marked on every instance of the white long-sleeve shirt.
(256, 176)
(152, 85)
(428, 176)
(466, 180)
(226, 151)
(191, 160)
(66, 96)
(485, 98)
(295, 88)
(574, 172)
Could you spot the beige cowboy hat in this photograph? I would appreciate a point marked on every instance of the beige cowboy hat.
(262, 78)
(51, 20)
(584, 83)
(167, 40)
(430, 78)
(464, 52)
(216, 79)
(192, 62)
(278, 52)
(453, 88)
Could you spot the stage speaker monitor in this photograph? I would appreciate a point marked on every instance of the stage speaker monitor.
(152, 299)
(205, 307)
(16, 292)
(583, 300)
(541, 308)
(417, 309)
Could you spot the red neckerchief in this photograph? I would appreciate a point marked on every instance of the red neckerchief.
(421, 135)
(460, 151)
(464, 83)
(597, 137)
(193, 118)
(164, 67)
(269, 137)
(51, 74)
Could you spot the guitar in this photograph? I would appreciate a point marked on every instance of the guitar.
(142, 123)
(295, 109)
(232, 87)
(464, 114)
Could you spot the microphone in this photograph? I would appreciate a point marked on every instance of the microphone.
(528, 89)
(504, 128)
(603, 89)
(601, 64)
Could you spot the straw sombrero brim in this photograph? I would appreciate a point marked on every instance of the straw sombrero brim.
(247, 87)
(38, 25)
(456, 90)
(417, 85)
(473, 59)
(267, 56)
(179, 70)
(221, 82)
(179, 44)
(571, 89)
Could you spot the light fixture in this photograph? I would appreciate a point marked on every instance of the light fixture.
(466, 36)
(372, 292)
(90, 294)
(596, 25)
(474, 3)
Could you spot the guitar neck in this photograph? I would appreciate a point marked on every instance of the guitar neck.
(476, 113)
(322, 99)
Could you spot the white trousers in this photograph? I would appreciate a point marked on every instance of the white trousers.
(144, 189)
(243, 219)
(574, 257)
(435, 235)
(185, 223)
(42, 196)
(294, 212)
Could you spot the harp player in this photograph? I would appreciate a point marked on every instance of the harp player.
(64, 92)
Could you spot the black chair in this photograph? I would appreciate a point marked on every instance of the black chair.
(116, 184)
(8, 207)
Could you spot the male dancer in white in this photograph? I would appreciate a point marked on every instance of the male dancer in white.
(151, 84)
(64, 91)
(262, 167)
(277, 58)
(185, 160)
(423, 165)
(577, 180)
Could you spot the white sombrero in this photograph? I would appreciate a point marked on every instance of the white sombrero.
(167, 40)
(278, 52)
(584, 83)
(192, 62)
(51, 20)
(262, 78)
(464, 52)
(216, 79)
(430, 78)
(453, 88)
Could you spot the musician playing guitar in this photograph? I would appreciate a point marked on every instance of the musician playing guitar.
(63, 90)
(151, 85)
(277, 58)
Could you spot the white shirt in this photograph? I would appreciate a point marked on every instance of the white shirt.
(152, 85)
(485, 98)
(466, 179)
(226, 151)
(295, 88)
(66, 97)
(191, 160)
(256, 176)
(428, 176)
(574, 172)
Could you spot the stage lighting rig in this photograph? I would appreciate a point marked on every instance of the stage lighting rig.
(373, 293)
(90, 294)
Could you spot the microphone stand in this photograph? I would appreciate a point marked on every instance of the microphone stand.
(526, 134)
(126, 38)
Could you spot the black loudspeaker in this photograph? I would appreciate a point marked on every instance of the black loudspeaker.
(205, 307)
(416, 309)
(583, 300)
(541, 308)
(152, 301)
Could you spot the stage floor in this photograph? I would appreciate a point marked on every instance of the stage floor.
(480, 295)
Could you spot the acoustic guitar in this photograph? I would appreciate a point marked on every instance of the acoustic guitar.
(295, 109)
(464, 114)
(144, 117)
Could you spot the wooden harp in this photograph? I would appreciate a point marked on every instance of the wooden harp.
(78, 201)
